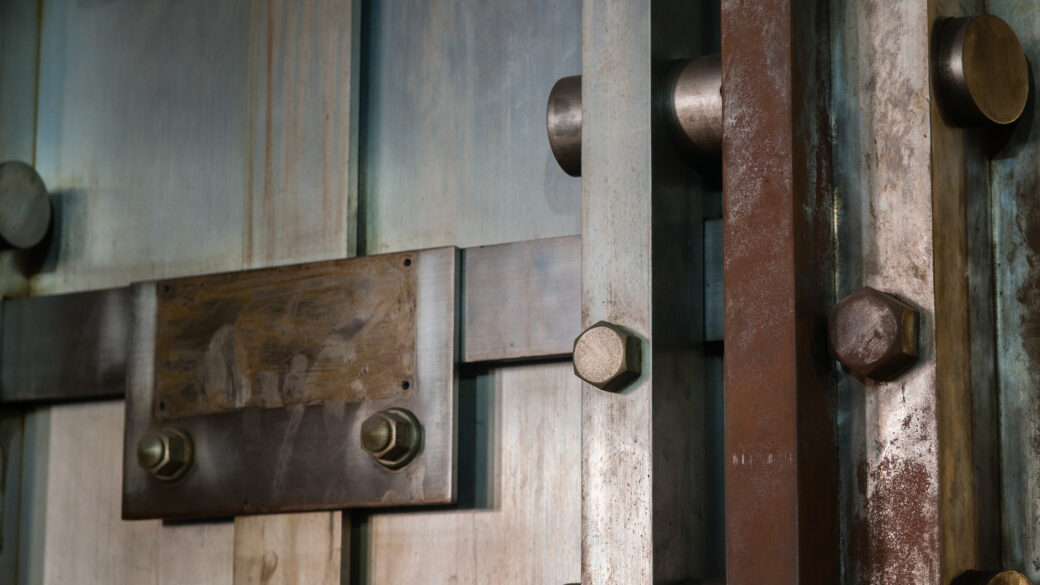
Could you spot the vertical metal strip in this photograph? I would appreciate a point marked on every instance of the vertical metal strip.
(781, 477)
(643, 462)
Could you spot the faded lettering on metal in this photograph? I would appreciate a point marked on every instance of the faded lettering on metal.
(342, 330)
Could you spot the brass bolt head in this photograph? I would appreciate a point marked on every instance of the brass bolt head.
(166, 454)
(874, 334)
(992, 578)
(393, 437)
(607, 356)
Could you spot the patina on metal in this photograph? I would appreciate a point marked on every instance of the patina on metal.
(563, 122)
(874, 334)
(694, 111)
(992, 578)
(982, 72)
(167, 454)
(25, 207)
(393, 437)
(607, 356)
(341, 330)
(780, 445)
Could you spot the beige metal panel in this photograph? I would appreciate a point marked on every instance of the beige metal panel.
(525, 524)
(74, 533)
(191, 137)
(288, 549)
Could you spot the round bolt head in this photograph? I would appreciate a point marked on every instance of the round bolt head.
(982, 73)
(607, 356)
(992, 578)
(166, 454)
(563, 124)
(25, 207)
(393, 437)
(874, 334)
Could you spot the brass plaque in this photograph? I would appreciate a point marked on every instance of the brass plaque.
(337, 331)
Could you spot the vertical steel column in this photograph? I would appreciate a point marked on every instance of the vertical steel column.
(643, 460)
(781, 476)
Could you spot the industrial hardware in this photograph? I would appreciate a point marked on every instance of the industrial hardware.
(25, 208)
(695, 111)
(874, 334)
(167, 454)
(982, 72)
(393, 437)
(992, 578)
(607, 356)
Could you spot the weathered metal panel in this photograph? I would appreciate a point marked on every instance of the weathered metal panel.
(334, 331)
(11, 441)
(454, 150)
(521, 300)
(644, 473)
(266, 460)
(65, 346)
(524, 523)
(1016, 225)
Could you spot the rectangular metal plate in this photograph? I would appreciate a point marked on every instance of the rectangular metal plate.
(301, 456)
(65, 346)
(342, 330)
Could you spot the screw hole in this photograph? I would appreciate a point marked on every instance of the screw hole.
(407, 261)
(162, 406)
(406, 385)
(166, 288)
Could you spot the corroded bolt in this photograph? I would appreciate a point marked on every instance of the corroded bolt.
(992, 578)
(166, 454)
(607, 356)
(874, 334)
(393, 437)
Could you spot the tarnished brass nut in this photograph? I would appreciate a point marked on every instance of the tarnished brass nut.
(992, 578)
(166, 454)
(874, 334)
(393, 437)
(607, 356)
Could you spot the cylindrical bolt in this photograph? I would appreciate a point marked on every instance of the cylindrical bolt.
(563, 122)
(992, 578)
(697, 103)
(393, 437)
(982, 72)
(167, 454)
(25, 208)
(607, 356)
(695, 93)
(874, 334)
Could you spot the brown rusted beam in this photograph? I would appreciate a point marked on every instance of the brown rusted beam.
(781, 476)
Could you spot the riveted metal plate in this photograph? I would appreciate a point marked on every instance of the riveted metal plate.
(298, 450)
(304, 334)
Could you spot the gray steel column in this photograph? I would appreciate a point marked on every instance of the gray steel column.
(643, 453)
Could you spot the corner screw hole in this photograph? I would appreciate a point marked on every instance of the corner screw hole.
(407, 261)
(406, 385)
(162, 406)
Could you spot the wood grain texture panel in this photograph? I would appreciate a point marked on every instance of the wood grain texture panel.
(525, 524)
(74, 533)
(288, 549)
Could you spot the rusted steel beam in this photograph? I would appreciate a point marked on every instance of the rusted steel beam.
(781, 457)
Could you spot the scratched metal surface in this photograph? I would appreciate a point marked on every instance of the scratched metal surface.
(1016, 210)
(646, 474)
(454, 145)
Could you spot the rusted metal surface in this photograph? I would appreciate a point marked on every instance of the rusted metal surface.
(780, 454)
(301, 456)
(874, 334)
(1016, 221)
(341, 330)
(646, 477)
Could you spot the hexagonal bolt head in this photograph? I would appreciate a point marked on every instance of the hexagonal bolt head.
(874, 334)
(992, 578)
(166, 454)
(607, 356)
(393, 437)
